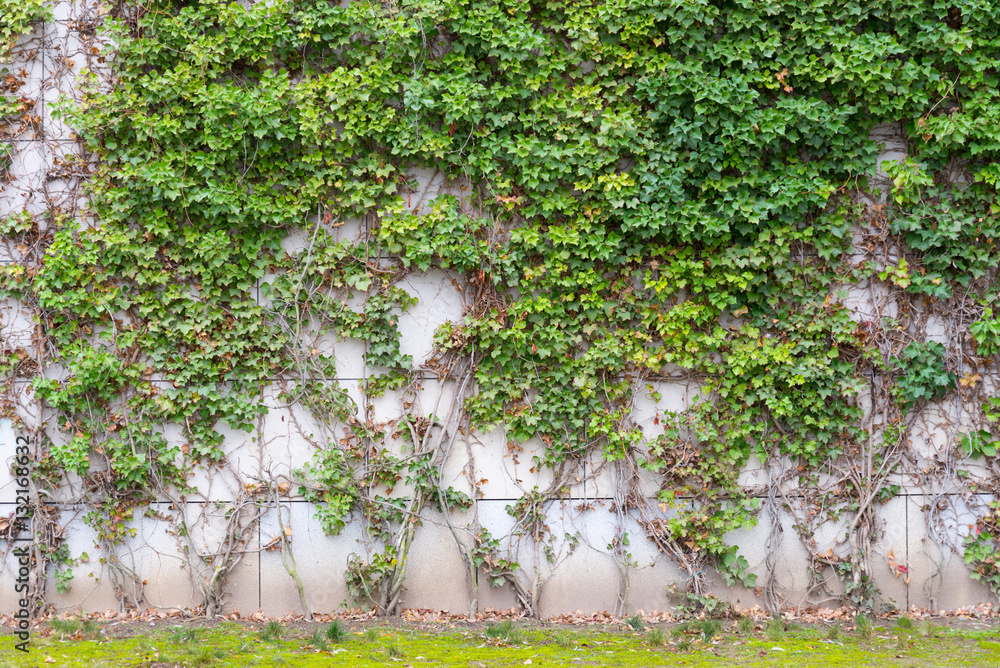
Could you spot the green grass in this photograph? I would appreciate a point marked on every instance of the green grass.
(709, 629)
(774, 629)
(637, 623)
(205, 656)
(88, 628)
(694, 644)
(271, 633)
(503, 633)
(91, 629)
(66, 627)
(656, 637)
(318, 642)
(567, 639)
(183, 636)
(864, 627)
(336, 632)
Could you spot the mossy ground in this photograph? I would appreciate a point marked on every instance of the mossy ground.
(481, 646)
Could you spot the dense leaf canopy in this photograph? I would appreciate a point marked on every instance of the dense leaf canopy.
(643, 190)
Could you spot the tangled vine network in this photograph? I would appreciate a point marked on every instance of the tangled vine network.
(783, 212)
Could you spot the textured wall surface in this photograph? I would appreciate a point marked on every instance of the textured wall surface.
(921, 528)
